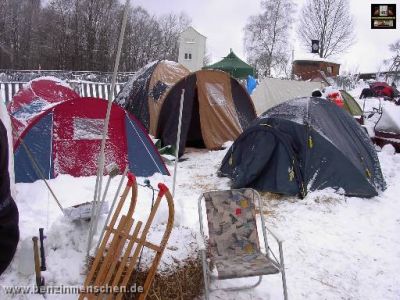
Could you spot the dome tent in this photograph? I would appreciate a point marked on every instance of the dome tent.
(143, 95)
(66, 139)
(304, 144)
(35, 97)
(216, 109)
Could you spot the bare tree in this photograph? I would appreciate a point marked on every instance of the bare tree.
(395, 47)
(328, 21)
(83, 34)
(171, 26)
(267, 34)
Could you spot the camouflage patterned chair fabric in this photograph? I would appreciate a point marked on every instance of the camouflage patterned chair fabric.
(233, 237)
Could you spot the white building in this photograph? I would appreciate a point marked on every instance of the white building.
(192, 48)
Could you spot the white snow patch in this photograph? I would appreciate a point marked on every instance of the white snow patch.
(336, 247)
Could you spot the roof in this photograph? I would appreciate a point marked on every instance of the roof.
(192, 28)
(233, 65)
(313, 57)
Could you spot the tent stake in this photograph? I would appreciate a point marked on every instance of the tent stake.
(178, 140)
(100, 168)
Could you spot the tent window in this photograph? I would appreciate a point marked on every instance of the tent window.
(216, 94)
(188, 55)
(88, 129)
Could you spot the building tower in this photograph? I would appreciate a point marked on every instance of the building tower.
(192, 48)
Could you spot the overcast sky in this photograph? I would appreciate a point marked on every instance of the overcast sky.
(222, 22)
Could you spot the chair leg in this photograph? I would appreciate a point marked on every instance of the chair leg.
(205, 274)
(245, 287)
(282, 263)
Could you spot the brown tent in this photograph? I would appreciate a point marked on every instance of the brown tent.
(217, 108)
(144, 94)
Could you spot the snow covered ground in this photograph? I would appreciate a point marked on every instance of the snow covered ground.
(335, 247)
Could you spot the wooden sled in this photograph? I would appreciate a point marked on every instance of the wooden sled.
(117, 257)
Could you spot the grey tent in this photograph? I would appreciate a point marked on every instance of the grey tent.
(304, 144)
(274, 91)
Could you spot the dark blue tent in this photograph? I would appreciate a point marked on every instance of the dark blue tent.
(304, 144)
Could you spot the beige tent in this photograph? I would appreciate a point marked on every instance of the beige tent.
(216, 109)
(273, 91)
(144, 94)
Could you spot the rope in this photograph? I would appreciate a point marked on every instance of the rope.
(38, 170)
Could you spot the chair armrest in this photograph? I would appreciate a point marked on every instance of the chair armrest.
(276, 236)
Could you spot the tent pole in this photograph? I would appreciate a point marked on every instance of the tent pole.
(178, 140)
(100, 167)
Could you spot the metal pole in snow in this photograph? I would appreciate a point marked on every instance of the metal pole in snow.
(100, 169)
(178, 140)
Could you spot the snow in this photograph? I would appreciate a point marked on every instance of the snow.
(52, 78)
(390, 121)
(88, 129)
(216, 93)
(335, 247)
(124, 93)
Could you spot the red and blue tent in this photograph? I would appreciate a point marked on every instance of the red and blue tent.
(35, 97)
(66, 139)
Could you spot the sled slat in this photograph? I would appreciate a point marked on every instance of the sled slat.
(136, 239)
(140, 243)
(125, 257)
(122, 237)
(163, 244)
(107, 234)
(109, 257)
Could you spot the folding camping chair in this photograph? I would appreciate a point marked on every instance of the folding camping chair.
(234, 247)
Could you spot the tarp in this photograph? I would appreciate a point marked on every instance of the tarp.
(233, 65)
(66, 139)
(389, 122)
(216, 109)
(305, 144)
(143, 95)
(251, 84)
(273, 91)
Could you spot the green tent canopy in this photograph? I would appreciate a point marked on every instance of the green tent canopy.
(350, 104)
(233, 65)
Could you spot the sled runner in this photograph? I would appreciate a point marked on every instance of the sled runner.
(119, 251)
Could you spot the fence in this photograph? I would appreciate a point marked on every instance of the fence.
(84, 89)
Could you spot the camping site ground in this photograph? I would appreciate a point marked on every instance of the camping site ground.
(335, 247)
